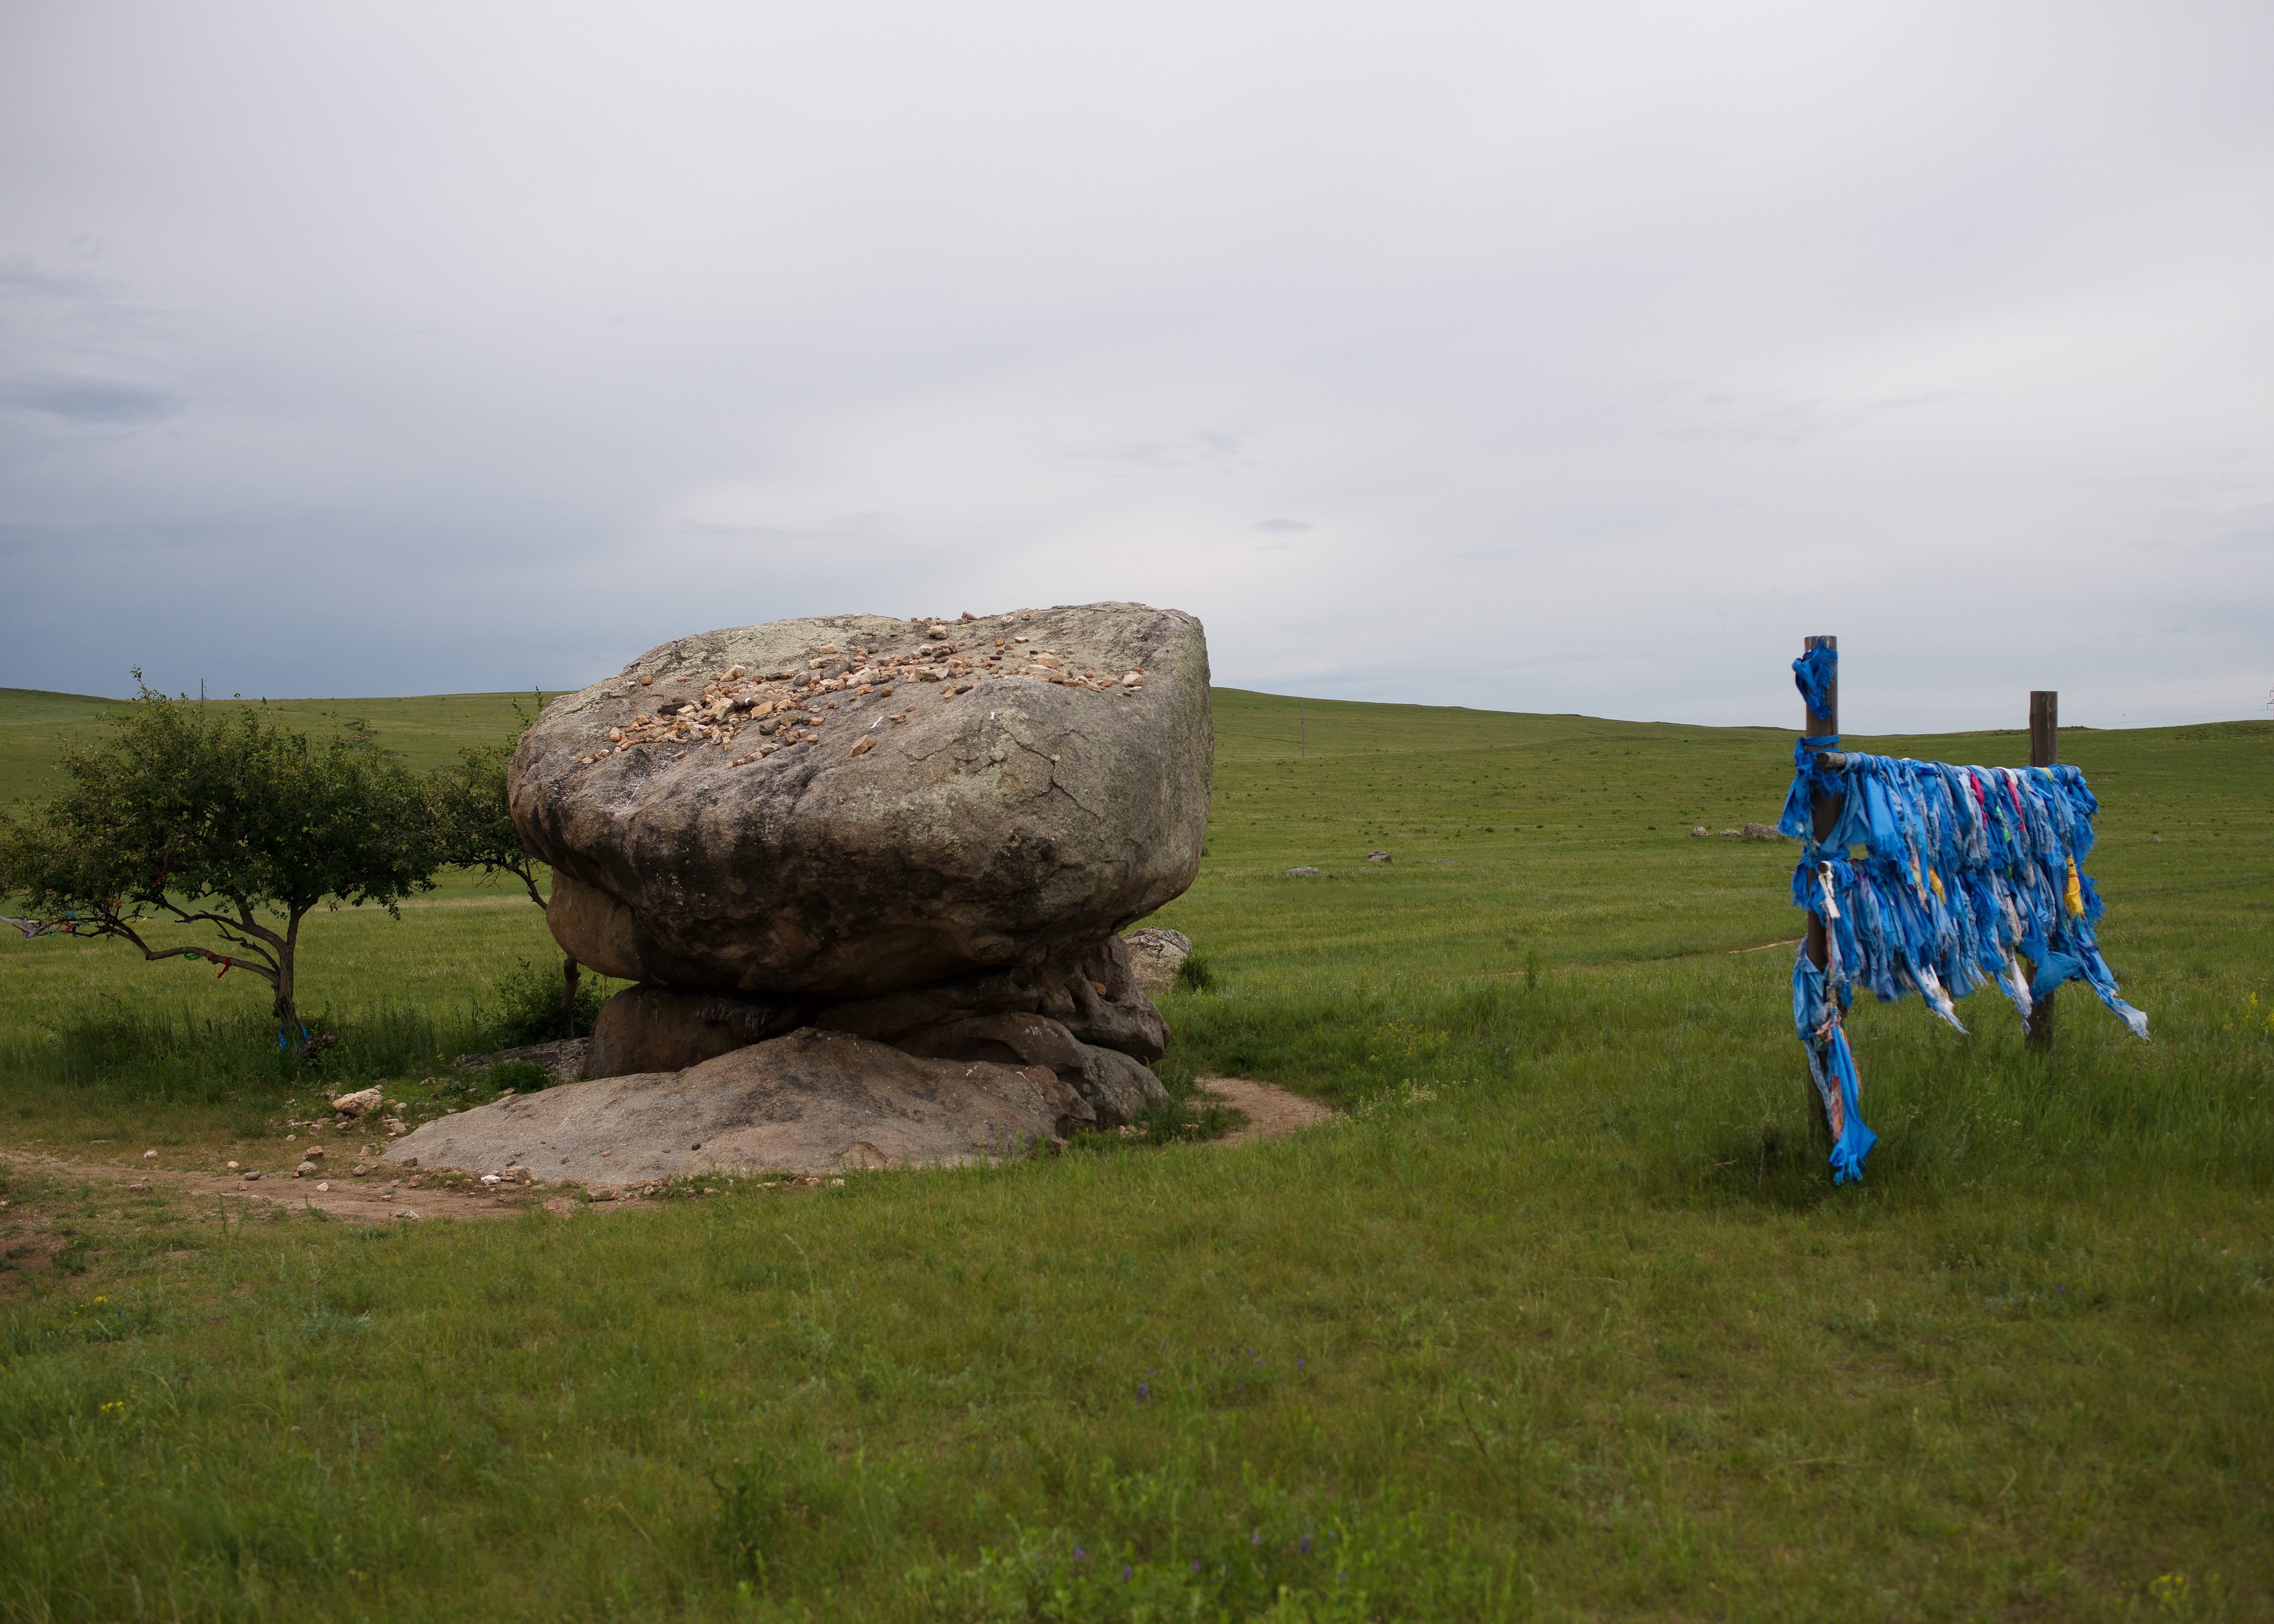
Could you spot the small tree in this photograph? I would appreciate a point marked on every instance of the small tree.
(474, 820)
(218, 817)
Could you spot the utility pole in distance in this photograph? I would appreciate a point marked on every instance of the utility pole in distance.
(2044, 751)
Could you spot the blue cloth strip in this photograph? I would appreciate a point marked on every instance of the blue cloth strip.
(1964, 871)
(1812, 675)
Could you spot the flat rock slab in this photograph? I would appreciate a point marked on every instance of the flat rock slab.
(811, 1102)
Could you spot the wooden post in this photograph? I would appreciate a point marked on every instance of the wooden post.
(1824, 812)
(2044, 751)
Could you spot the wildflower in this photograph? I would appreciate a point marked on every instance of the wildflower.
(1143, 1392)
(1079, 1554)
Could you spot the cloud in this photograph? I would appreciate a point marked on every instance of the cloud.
(1616, 350)
(95, 400)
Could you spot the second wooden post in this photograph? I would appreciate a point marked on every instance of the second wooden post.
(2044, 751)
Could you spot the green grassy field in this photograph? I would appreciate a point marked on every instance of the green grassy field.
(423, 733)
(1561, 1321)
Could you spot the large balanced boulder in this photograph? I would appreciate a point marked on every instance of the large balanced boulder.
(840, 808)
(808, 1103)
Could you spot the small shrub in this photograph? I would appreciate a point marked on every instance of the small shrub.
(1194, 975)
(521, 1076)
(525, 1005)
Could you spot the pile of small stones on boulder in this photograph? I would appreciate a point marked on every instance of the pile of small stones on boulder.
(899, 948)
(766, 712)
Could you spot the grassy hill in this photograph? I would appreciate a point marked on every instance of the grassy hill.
(424, 732)
(1562, 1320)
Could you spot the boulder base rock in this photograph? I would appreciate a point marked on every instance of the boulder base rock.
(843, 808)
(809, 1102)
(671, 1028)
(564, 1057)
(1095, 997)
(1154, 955)
(1116, 1089)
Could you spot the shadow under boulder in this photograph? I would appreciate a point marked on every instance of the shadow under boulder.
(671, 1028)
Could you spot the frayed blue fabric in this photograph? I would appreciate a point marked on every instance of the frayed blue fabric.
(1964, 868)
(1796, 820)
(1964, 871)
(1831, 1066)
(1812, 673)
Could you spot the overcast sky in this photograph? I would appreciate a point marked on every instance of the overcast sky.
(1571, 358)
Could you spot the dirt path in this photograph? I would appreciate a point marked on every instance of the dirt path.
(1271, 1111)
(372, 1200)
(35, 1222)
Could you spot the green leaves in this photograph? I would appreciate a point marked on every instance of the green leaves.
(472, 817)
(186, 807)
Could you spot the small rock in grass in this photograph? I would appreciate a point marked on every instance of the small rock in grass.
(356, 1104)
(1377, 856)
(249, 1177)
(1303, 873)
(325, 1188)
(1155, 957)
(1700, 832)
(149, 1155)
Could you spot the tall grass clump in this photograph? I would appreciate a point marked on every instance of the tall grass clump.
(181, 1054)
(523, 1006)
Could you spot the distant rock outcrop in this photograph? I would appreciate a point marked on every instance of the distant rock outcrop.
(1155, 957)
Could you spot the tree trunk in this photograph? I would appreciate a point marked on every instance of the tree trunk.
(568, 976)
(287, 1018)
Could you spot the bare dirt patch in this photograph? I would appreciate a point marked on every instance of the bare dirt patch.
(371, 1199)
(1271, 1111)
